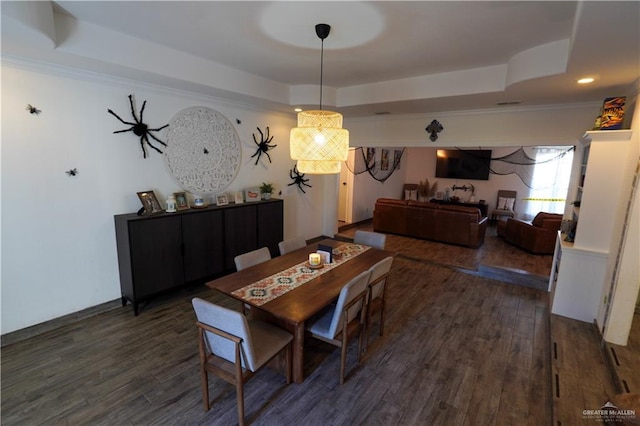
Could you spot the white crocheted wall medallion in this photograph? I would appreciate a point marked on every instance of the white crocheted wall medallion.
(203, 151)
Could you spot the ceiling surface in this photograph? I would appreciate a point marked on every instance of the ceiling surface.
(380, 57)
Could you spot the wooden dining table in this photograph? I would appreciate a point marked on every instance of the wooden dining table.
(293, 308)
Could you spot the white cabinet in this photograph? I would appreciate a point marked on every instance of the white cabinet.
(578, 281)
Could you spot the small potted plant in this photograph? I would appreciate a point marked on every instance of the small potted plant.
(266, 189)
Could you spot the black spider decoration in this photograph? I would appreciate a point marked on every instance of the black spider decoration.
(72, 172)
(33, 110)
(238, 121)
(205, 151)
(263, 145)
(434, 128)
(298, 179)
(139, 128)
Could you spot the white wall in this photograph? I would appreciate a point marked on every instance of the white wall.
(508, 127)
(623, 286)
(58, 240)
(366, 189)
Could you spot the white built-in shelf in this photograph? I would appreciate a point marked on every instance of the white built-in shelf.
(608, 135)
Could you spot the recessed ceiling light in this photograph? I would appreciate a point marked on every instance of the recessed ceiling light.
(297, 109)
(586, 80)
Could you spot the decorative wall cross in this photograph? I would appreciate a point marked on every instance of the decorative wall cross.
(434, 128)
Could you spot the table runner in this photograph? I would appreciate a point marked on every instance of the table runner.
(276, 285)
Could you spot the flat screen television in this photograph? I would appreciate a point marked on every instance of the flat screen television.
(472, 164)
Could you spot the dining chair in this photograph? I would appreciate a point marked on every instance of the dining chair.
(376, 295)
(371, 239)
(338, 324)
(287, 246)
(246, 260)
(234, 348)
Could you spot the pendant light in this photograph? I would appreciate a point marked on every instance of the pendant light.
(319, 144)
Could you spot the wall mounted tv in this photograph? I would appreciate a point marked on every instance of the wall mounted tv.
(463, 164)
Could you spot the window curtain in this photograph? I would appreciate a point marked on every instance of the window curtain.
(550, 182)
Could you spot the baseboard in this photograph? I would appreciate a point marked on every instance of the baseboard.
(317, 239)
(355, 224)
(35, 330)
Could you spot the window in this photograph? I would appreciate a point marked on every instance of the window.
(550, 181)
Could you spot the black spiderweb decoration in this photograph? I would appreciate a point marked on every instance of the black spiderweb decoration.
(373, 167)
(521, 164)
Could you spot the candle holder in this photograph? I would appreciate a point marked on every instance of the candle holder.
(315, 261)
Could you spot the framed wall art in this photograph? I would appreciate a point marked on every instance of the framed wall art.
(371, 157)
(149, 202)
(252, 194)
(384, 159)
(222, 200)
(612, 113)
(397, 157)
(181, 200)
(238, 197)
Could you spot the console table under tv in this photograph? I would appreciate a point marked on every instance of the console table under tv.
(482, 206)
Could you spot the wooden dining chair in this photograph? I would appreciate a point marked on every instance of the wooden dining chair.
(376, 294)
(287, 246)
(249, 259)
(233, 348)
(338, 324)
(371, 239)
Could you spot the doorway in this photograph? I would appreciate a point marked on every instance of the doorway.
(345, 191)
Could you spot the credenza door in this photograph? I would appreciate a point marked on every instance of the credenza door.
(156, 258)
(203, 241)
(240, 233)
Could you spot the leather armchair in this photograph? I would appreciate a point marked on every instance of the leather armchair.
(537, 236)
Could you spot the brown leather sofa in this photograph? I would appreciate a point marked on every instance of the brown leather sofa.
(448, 224)
(537, 236)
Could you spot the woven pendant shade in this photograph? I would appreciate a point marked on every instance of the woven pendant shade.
(319, 137)
(318, 167)
(319, 143)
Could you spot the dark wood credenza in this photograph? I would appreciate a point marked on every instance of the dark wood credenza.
(482, 206)
(166, 251)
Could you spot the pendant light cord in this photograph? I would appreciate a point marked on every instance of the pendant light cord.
(321, 70)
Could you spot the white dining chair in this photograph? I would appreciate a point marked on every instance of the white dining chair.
(249, 259)
(233, 348)
(338, 324)
(288, 246)
(371, 239)
(376, 295)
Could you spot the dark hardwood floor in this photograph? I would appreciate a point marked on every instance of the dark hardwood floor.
(494, 254)
(459, 348)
